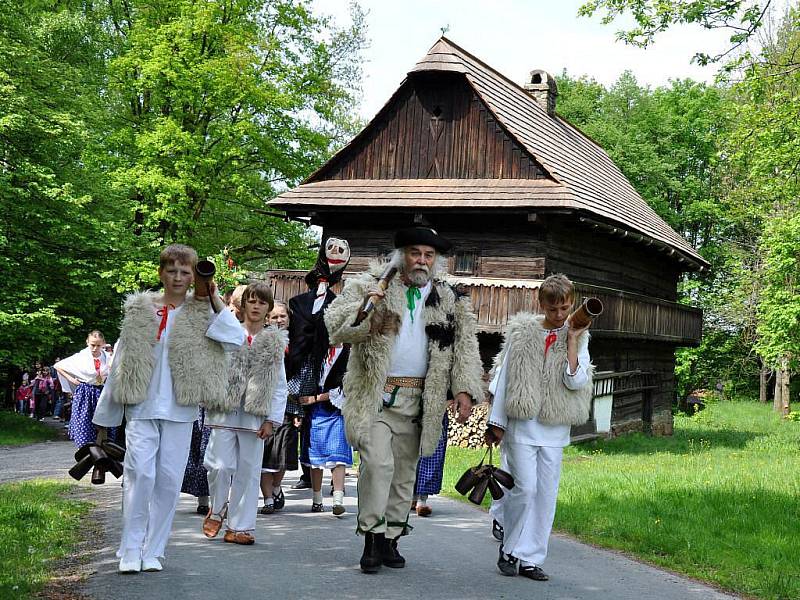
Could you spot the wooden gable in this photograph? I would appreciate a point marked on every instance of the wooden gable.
(434, 127)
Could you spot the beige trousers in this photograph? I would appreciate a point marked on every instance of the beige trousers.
(389, 465)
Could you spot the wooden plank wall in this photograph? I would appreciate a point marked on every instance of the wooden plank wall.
(434, 128)
(583, 254)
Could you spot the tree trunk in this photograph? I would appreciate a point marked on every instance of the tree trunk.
(776, 400)
(763, 378)
(785, 380)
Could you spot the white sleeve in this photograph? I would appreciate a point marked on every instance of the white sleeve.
(108, 413)
(278, 406)
(226, 329)
(578, 379)
(337, 397)
(497, 387)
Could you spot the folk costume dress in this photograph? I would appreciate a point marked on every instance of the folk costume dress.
(168, 360)
(280, 449)
(256, 393)
(536, 400)
(195, 477)
(311, 360)
(91, 372)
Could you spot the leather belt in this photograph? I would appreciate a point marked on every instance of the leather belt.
(405, 382)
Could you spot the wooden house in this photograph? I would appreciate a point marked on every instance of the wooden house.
(522, 193)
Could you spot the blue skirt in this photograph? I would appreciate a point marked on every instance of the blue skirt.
(84, 402)
(430, 468)
(328, 444)
(195, 478)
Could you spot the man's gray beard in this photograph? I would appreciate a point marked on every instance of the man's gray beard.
(418, 277)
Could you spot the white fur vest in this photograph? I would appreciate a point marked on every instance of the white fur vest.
(534, 387)
(196, 362)
(253, 373)
(453, 359)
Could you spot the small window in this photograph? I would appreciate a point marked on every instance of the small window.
(465, 263)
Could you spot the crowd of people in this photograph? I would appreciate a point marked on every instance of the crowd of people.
(219, 397)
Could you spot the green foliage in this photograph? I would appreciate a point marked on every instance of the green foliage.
(127, 126)
(742, 17)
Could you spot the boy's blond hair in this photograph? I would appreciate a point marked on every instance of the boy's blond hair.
(556, 289)
(181, 253)
(95, 333)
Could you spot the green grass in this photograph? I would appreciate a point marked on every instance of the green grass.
(38, 526)
(18, 430)
(717, 501)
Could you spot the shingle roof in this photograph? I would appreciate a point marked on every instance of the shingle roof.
(586, 179)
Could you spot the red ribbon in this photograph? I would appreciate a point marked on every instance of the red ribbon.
(331, 354)
(549, 341)
(164, 314)
(97, 365)
(249, 340)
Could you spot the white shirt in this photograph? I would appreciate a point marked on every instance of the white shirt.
(335, 395)
(410, 352)
(531, 431)
(160, 402)
(81, 367)
(239, 419)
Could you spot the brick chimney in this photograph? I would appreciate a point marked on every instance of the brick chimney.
(544, 90)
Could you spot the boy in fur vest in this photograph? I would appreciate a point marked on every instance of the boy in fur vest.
(170, 358)
(243, 419)
(542, 386)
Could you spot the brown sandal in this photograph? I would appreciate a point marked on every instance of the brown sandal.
(239, 537)
(211, 526)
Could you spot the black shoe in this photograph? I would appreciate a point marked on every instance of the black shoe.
(497, 531)
(302, 485)
(280, 500)
(533, 572)
(371, 559)
(202, 509)
(391, 557)
(317, 507)
(507, 564)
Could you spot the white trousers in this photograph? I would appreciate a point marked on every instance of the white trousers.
(155, 461)
(233, 461)
(526, 512)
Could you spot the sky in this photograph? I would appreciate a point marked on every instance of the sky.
(515, 37)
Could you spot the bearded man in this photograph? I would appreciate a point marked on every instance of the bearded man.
(417, 344)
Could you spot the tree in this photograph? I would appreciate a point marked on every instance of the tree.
(743, 18)
(218, 105)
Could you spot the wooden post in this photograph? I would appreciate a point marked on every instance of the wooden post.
(763, 378)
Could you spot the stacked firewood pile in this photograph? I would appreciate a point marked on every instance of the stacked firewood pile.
(470, 434)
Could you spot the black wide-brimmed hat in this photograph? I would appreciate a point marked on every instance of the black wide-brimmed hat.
(425, 236)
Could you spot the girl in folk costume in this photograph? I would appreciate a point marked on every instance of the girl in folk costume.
(430, 471)
(83, 375)
(170, 357)
(315, 371)
(240, 421)
(542, 386)
(280, 450)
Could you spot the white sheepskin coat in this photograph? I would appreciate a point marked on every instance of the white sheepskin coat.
(453, 360)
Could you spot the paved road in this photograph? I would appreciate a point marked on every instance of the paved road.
(299, 554)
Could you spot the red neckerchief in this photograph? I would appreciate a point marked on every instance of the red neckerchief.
(249, 340)
(97, 365)
(164, 314)
(551, 338)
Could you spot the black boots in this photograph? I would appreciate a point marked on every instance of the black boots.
(371, 559)
(391, 557)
